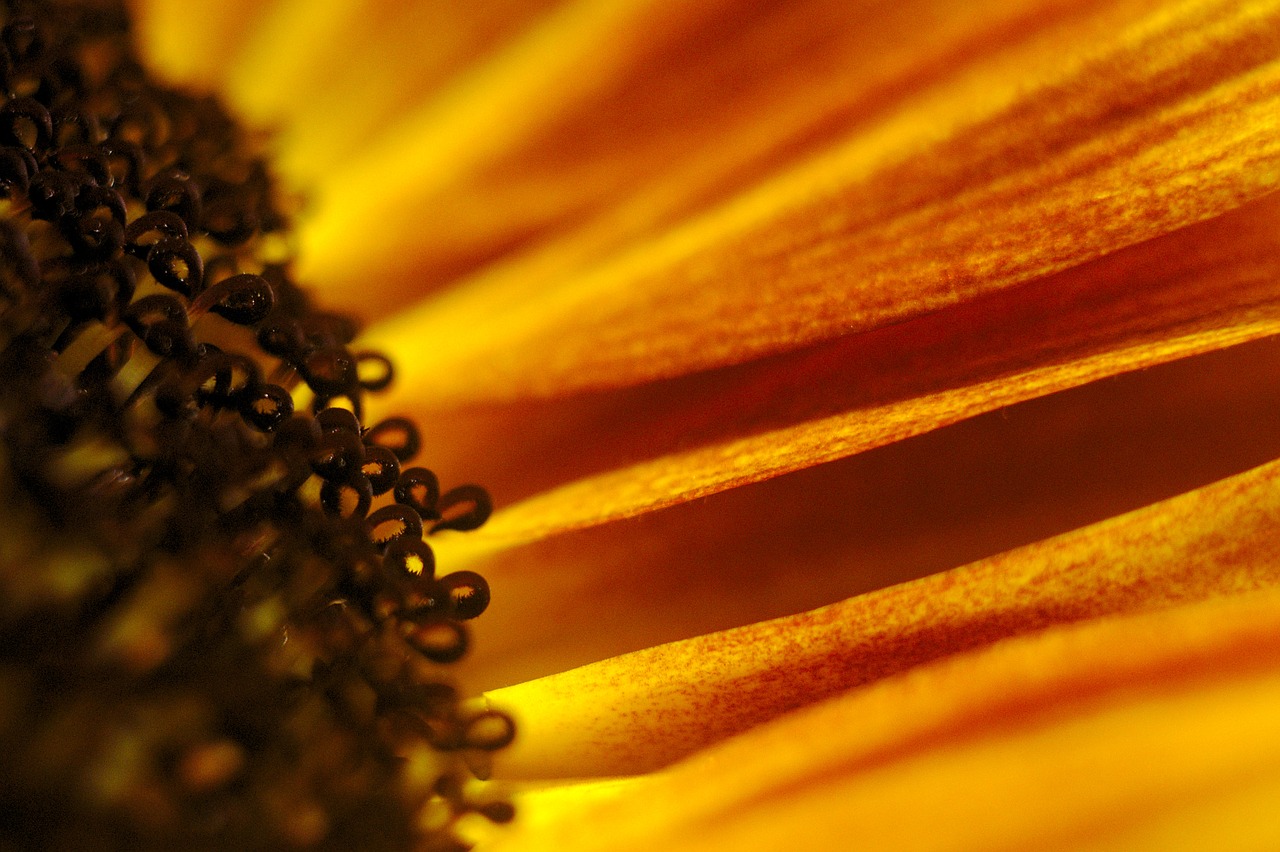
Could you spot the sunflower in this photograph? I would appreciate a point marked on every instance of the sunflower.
(877, 397)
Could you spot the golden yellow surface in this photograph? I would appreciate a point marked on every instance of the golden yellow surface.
(641, 711)
(879, 397)
(1144, 732)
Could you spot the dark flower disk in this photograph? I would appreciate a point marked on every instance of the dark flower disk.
(220, 625)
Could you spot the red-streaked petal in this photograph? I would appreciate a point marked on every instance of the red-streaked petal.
(1092, 736)
(645, 709)
(1206, 287)
(956, 495)
(1015, 169)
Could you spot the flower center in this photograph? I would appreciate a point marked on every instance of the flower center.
(220, 623)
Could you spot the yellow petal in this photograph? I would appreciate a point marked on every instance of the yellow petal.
(1112, 734)
(645, 709)
(367, 62)
(1024, 166)
(1209, 286)
(330, 78)
(191, 43)
(561, 60)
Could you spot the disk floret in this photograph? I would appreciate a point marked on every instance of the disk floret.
(220, 620)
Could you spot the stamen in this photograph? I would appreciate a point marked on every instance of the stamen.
(398, 435)
(468, 594)
(394, 523)
(410, 557)
(382, 467)
(210, 634)
(419, 489)
(489, 731)
(476, 507)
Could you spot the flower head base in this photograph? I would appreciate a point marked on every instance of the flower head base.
(220, 625)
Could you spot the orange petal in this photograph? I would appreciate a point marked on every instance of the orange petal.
(645, 709)
(887, 516)
(1112, 734)
(1017, 168)
(688, 104)
(1209, 286)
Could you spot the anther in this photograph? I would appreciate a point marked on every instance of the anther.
(337, 420)
(419, 489)
(266, 407)
(178, 196)
(148, 310)
(331, 329)
(348, 500)
(437, 640)
(146, 231)
(374, 370)
(489, 730)
(464, 508)
(244, 299)
(95, 227)
(410, 557)
(52, 195)
(25, 122)
(175, 263)
(168, 338)
(382, 468)
(468, 594)
(74, 129)
(393, 523)
(329, 372)
(125, 161)
(339, 454)
(497, 812)
(398, 435)
(228, 219)
(280, 337)
(224, 379)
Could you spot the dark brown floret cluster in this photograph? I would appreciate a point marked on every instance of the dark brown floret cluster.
(220, 623)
